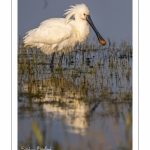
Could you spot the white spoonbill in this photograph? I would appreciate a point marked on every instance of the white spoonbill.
(61, 35)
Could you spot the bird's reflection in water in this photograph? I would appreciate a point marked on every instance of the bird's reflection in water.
(62, 98)
(97, 117)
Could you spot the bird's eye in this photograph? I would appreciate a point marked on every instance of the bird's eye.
(84, 14)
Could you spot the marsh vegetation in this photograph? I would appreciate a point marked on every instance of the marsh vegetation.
(86, 103)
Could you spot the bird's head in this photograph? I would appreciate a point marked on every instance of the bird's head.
(81, 11)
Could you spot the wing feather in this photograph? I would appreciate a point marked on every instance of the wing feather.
(51, 31)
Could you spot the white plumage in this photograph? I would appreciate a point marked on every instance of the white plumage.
(62, 34)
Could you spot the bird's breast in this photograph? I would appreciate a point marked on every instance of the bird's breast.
(82, 31)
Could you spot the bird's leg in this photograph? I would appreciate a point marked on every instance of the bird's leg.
(27, 55)
(60, 59)
(26, 49)
(52, 61)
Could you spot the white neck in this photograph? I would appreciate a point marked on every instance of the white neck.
(82, 29)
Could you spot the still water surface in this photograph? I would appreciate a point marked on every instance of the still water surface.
(86, 103)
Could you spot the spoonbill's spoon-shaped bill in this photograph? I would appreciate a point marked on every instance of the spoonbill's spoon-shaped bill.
(100, 38)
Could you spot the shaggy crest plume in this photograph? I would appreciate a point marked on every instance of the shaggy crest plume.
(74, 9)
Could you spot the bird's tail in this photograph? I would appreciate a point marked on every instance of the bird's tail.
(28, 39)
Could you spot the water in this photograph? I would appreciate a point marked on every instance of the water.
(86, 103)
